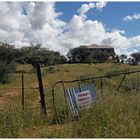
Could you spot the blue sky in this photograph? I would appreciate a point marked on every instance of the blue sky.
(111, 15)
(60, 26)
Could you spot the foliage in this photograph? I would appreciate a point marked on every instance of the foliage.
(78, 55)
(7, 52)
(36, 54)
(52, 69)
(136, 56)
(31, 54)
(7, 57)
(123, 57)
(5, 70)
(83, 54)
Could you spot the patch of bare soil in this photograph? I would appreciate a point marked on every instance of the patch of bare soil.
(12, 93)
(6, 96)
(36, 102)
(3, 100)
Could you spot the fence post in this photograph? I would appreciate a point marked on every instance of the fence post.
(42, 96)
(65, 96)
(54, 106)
(22, 83)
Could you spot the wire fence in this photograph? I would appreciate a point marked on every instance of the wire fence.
(113, 84)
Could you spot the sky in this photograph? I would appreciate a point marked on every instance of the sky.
(60, 26)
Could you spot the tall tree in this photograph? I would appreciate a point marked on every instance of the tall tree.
(35, 53)
(123, 57)
(136, 56)
(78, 55)
(83, 54)
(7, 57)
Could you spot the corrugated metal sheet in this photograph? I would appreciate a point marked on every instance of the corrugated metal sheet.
(70, 94)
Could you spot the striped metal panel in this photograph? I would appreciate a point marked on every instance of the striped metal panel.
(70, 92)
(71, 100)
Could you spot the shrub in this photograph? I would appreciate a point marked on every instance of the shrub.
(52, 69)
(7, 56)
(5, 71)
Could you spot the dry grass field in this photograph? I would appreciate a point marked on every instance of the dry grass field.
(111, 116)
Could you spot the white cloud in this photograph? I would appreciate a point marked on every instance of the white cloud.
(41, 14)
(136, 16)
(23, 23)
(89, 32)
(101, 4)
(29, 22)
(86, 7)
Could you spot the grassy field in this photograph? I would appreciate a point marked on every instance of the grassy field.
(111, 116)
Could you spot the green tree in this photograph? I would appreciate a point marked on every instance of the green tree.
(36, 54)
(136, 56)
(83, 54)
(79, 55)
(7, 58)
(30, 54)
(7, 52)
(123, 57)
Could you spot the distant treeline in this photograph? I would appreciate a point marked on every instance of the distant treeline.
(35, 53)
(30, 54)
(10, 56)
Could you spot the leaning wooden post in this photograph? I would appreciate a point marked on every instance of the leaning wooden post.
(40, 84)
(22, 93)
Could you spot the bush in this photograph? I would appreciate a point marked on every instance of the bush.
(5, 70)
(52, 69)
(8, 55)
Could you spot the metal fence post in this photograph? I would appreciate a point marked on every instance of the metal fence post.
(54, 106)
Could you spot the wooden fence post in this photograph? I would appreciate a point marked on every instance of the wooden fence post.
(40, 84)
(22, 93)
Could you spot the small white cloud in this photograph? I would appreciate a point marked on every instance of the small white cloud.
(86, 7)
(136, 16)
(101, 4)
